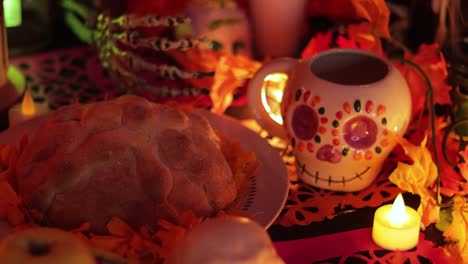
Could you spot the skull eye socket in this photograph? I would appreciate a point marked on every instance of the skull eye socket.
(238, 46)
(360, 132)
(216, 45)
(304, 122)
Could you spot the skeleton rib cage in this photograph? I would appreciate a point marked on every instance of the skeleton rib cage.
(124, 64)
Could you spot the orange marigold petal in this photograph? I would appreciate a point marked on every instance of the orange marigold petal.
(108, 243)
(118, 227)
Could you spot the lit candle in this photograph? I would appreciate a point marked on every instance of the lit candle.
(396, 226)
(26, 110)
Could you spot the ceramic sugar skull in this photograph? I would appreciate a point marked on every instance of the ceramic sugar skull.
(341, 111)
(224, 25)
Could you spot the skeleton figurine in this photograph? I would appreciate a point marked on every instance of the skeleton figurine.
(222, 23)
(138, 60)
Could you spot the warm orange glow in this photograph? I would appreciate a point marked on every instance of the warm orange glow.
(272, 94)
(27, 106)
(398, 214)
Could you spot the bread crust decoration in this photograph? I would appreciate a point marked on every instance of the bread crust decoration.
(126, 158)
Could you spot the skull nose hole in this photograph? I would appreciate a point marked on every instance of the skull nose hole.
(329, 153)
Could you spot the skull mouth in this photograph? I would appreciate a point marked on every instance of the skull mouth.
(330, 180)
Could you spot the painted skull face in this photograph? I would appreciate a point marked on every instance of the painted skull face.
(225, 28)
(342, 133)
(354, 136)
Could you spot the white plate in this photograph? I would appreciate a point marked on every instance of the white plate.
(269, 190)
(269, 186)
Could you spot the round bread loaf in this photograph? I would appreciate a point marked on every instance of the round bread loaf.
(128, 158)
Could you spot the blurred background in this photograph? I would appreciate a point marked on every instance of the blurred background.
(35, 25)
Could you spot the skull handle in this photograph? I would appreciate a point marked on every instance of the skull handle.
(256, 94)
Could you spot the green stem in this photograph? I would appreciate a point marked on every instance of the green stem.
(80, 9)
(430, 96)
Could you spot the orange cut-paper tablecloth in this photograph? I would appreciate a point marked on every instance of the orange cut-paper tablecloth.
(307, 204)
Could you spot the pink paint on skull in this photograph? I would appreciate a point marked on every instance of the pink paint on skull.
(360, 132)
(329, 153)
(304, 122)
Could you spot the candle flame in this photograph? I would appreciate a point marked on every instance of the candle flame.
(272, 94)
(27, 106)
(398, 213)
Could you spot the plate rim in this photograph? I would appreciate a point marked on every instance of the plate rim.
(280, 170)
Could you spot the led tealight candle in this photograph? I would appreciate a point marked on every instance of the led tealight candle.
(396, 226)
(26, 110)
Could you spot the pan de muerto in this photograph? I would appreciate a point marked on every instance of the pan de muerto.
(128, 158)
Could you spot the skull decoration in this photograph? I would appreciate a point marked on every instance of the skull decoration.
(348, 141)
(342, 111)
(224, 25)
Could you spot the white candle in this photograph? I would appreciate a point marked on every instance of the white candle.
(396, 226)
(26, 110)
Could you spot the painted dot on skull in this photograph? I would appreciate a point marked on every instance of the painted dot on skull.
(322, 130)
(316, 99)
(347, 107)
(318, 139)
(357, 155)
(304, 122)
(369, 106)
(384, 142)
(360, 132)
(335, 123)
(335, 132)
(384, 121)
(381, 109)
(321, 110)
(357, 105)
(368, 155)
(298, 94)
(339, 115)
(378, 150)
(323, 120)
(345, 151)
